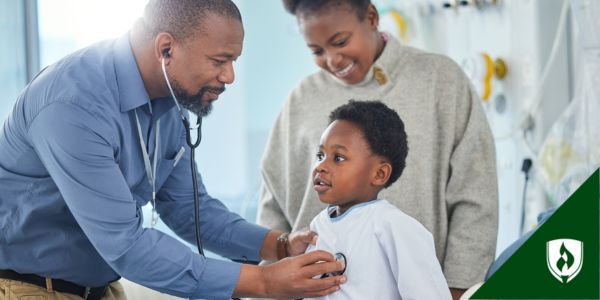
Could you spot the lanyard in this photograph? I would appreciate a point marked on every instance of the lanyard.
(150, 168)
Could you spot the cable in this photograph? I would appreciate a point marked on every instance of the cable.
(526, 120)
(525, 169)
(537, 96)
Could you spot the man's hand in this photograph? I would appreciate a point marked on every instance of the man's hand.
(298, 241)
(291, 277)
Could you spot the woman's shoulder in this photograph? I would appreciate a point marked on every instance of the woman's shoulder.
(425, 60)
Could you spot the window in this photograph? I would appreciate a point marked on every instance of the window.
(13, 55)
(67, 25)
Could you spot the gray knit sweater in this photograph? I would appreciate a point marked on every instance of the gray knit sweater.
(449, 183)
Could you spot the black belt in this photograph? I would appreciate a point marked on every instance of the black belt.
(57, 285)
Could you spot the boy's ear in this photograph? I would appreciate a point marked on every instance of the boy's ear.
(382, 174)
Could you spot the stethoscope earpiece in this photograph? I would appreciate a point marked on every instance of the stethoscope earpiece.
(165, 53)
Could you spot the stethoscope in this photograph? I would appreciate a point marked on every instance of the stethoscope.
(151, 167)
(193, 146)
(338, 257)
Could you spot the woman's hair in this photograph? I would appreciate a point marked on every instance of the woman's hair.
(382, 128)
(303, 7)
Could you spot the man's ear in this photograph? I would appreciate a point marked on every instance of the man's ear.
(163, 46)
(382, 174)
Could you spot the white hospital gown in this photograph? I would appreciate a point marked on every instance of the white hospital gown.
(389, 254)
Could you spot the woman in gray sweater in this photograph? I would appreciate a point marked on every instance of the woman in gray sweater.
(449, 184)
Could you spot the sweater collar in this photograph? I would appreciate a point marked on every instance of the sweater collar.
(382, 70)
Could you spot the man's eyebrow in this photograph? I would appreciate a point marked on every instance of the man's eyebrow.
(225, 55)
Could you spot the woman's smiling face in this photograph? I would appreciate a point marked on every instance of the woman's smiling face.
(341, 43)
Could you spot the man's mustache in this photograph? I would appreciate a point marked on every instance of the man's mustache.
(213, 89)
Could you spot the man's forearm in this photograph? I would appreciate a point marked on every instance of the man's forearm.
(269, 246)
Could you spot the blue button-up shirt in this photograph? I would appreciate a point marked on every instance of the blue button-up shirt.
(72, 181)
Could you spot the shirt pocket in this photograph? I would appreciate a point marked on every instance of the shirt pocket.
(169, 160)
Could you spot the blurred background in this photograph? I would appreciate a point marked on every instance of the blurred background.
(535, 64)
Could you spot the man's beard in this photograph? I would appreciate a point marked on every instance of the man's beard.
(194, 103)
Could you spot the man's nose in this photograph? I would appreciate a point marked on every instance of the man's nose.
(227, 75)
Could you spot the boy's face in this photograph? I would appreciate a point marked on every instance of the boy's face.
(346, 170)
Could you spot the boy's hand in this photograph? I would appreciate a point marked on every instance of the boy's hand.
(298, 241)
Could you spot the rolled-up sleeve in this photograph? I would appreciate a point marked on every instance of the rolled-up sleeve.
(78, 151)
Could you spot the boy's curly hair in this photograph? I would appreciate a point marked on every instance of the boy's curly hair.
(382, 129)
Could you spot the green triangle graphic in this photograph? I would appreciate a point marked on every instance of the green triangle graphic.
(537, 270)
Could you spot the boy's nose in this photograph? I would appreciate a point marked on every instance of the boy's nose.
(320, 167)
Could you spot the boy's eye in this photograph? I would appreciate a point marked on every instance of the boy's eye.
(339, 158)
(320, 156)
(317, 52)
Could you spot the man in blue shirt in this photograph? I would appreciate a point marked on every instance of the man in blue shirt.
(73, 172)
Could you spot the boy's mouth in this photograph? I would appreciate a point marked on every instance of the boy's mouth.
(321, 185)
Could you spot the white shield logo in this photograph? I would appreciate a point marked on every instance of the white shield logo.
(564, 258)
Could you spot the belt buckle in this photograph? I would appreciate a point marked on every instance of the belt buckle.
(86, 293)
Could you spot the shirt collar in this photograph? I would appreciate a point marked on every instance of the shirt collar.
(132, 92)
(334, 208)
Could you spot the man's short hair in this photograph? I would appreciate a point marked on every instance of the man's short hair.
(184, 18)
(310, 7)
(382, 128)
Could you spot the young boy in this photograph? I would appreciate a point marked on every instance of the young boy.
(388, 254)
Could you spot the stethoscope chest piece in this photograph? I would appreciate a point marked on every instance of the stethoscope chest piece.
(338, 257)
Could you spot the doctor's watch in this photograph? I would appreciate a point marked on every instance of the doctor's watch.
(282, 243)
